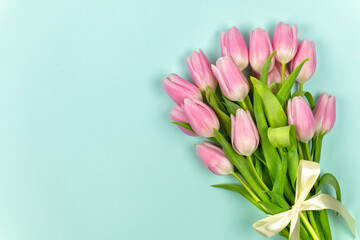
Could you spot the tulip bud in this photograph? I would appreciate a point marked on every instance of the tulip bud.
(231, 80)
(325, 114)
(300, 115)
(200, 70)
(179, 89)
(234, 46)
(306, 49)
(201, 117)
(275, 74)
(244, 135)
(214, 159)
(285, 42)
(260, 48)
(178, 115)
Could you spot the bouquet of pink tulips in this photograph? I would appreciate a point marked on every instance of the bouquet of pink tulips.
(268, 137)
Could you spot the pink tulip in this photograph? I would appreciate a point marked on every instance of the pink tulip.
(275, 74)
(285, 42)
(300, 115)
(200, 70)
(325, 114)
(214, 159)
(234, 46)
(178, 115)
(244, 135)
(179, 89)
(260, 48)
(231, 80)
(201, 117)
(306, 49)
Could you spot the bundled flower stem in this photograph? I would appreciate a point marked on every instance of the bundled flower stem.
(257, 129)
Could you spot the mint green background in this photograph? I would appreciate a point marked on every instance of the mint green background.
(86, 148)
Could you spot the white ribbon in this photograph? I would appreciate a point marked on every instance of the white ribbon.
(308, 173)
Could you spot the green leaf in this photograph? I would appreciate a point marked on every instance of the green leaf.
(328, 178)
(273, 109)
(285, 89)
(278, 187)
(184, 125)
(284, 233)
(298, 93)
(213, 139)
(293, 164)
(266, 177)
(243, 165)
(274, 87)
(308, 96)
(272, 208)
(265, 69)
(288, 191)
(224, 119)
(219, 103)
(281, 137)
(310, 99)
(231, 106)
(241, 190)
(213, 100)
(270, 153)
(279, 200)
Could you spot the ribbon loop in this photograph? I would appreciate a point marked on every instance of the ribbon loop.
(308, 173)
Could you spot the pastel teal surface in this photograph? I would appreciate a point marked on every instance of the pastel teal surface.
(87, 151)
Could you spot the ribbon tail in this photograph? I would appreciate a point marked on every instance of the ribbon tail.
(272, 225)
(325, 201)
(295, 226)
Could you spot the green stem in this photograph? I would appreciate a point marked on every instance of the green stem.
(317, 152)
(320, 227)
(308, 226)
(283, 73)
(307, 151)
(301, 86)
(313, 222)
(243, 105)
(324, 220)
(249, 105)
(281, 151)
(300, 151)
(250, 192)
(246, 187)
(303, 232)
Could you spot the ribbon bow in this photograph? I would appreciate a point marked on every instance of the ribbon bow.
(308, 173)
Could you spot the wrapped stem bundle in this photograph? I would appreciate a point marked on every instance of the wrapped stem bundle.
(267, 136)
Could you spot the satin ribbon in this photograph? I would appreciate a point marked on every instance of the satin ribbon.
(308, 173)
